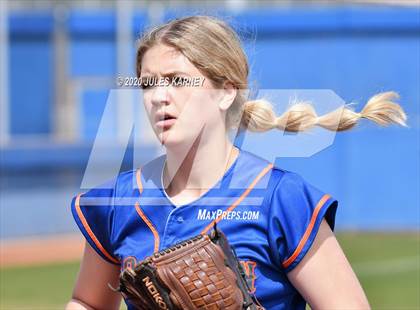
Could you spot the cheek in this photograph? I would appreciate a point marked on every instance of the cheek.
(147, 104)
(206, 107)
(196, 108)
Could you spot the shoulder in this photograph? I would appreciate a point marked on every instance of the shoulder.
(136, 178)
(289, 185)
(293, 199)
(284, 189)
(250, 167)
(149, 175)
(254, 164)
(253, 161)
(288, 181)
(280, 180)
(290, 189)
(126, 182)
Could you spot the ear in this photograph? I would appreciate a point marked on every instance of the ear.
(229, 93)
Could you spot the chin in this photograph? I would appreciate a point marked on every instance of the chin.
(176, 139)
(169, 139)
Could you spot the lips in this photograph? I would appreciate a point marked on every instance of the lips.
(164, 120)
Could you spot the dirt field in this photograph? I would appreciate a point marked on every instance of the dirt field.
(39, 251)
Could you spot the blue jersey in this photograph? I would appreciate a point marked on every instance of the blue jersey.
(269, 215)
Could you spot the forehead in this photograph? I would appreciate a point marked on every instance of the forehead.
(161, 59)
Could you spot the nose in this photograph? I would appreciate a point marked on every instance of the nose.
(160, 95)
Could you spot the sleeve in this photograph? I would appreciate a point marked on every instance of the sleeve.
(296, 212)
(93, 212)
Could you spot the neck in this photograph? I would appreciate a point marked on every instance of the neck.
(198, 169)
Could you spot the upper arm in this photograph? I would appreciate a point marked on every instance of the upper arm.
(325, 278)
(91, 286)
(296, 211)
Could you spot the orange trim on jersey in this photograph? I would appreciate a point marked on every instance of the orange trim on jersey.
(138, 179)
(150, 225)
(239, 200)
(307, 233)
(90, 232)
(143, 216)
(250, 273)
(254, 277)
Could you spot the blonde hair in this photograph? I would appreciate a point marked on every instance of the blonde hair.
(215, 49)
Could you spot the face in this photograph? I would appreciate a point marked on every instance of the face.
(178, 113)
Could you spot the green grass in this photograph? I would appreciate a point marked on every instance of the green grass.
(387, 266)
(385, 263)
(45, 287)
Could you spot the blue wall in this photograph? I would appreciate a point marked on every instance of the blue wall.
(31, 73)
(354, 51)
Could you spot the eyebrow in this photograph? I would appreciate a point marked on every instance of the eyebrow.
(170, 73)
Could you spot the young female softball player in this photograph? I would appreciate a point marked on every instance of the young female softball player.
(279, 225)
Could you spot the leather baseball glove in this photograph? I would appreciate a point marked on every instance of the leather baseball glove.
(202, 272)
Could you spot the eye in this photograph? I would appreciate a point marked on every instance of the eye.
(143, 86)
(179, 81)
(147, 82)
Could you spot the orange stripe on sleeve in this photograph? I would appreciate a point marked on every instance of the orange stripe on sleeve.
(150, 225)
(239, 200)
(307, 233)
(138, 179)
(90, 232)
(143, 216)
